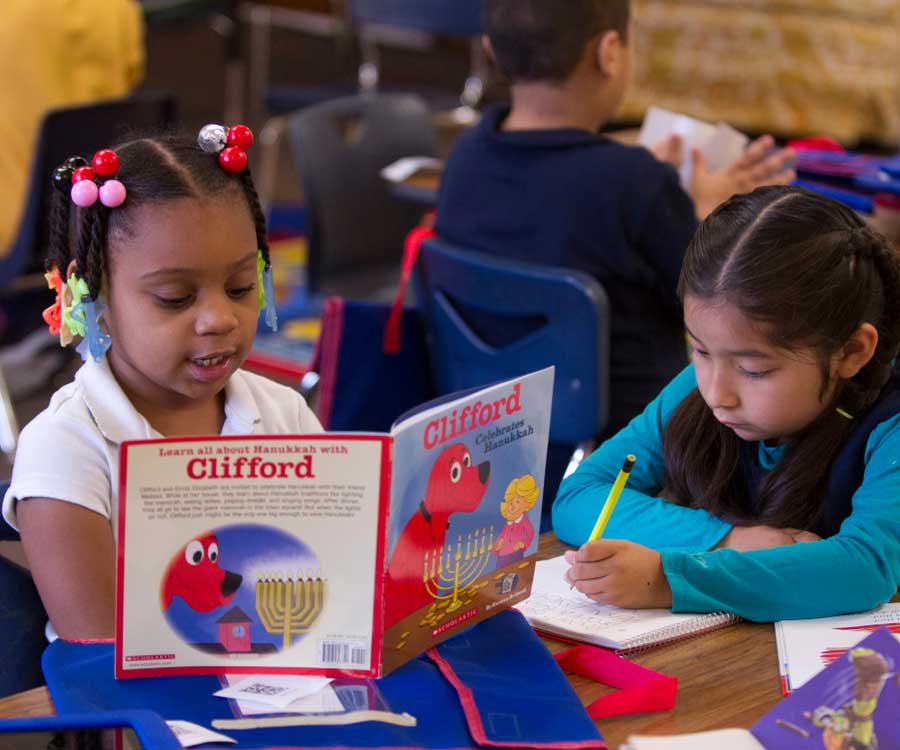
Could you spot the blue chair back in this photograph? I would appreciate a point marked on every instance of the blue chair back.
(150, 728)
(449, 17)
(489, 318)
(80, 130)
(22, 621)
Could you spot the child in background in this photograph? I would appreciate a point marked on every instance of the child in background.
(164, 281)
(535, 181)
(767, 481)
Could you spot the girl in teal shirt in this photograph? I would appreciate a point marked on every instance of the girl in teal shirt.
(767, 480)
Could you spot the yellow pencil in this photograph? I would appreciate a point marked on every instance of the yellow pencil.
(612, 498)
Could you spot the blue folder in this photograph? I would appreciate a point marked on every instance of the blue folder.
(493, 685)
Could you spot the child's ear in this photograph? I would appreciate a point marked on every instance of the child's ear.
(610, 53)
(856, 353)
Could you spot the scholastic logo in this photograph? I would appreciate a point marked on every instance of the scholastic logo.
(455, 621)
(150, 657)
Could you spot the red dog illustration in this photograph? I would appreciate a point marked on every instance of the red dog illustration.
(194, 575)
(454, 486)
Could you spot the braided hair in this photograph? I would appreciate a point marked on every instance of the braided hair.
(153, 170)
(812, 272)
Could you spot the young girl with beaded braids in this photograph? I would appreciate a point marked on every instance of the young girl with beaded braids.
(164, 280)
(767, 480)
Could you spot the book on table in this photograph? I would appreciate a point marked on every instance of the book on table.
(853, 703)
(805, 647)
(556, 609)
(331, 553)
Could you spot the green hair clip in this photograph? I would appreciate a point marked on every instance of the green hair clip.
(79, 288)
(266, 290)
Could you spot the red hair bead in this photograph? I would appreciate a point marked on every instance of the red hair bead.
(82, 173)
(240, 136)
(105, 163)
(233, 159)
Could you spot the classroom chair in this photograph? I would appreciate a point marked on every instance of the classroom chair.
(64, 132)
(364, 22)
(360, 25)
(450, 18)
(223, 18)
(79, 730)
(490, 318)
(355, 227)
(22, 621)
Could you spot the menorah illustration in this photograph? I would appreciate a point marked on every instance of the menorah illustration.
(449, 575)
(289, 606)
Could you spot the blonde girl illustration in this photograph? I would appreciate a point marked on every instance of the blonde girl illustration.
(516, 535)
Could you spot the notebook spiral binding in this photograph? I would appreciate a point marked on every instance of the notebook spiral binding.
(680, 632)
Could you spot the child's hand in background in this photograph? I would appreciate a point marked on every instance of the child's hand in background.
(760, 164)
(744, 538)
(624, 574)
(669, 150)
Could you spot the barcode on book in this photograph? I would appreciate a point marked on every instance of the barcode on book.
(343, 653)
(353, 697)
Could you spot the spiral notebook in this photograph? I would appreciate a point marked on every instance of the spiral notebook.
(556, 610)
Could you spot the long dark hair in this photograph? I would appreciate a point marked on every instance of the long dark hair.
(153, 170)
(810, 270)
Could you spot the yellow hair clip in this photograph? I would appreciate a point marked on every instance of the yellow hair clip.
(844, 413)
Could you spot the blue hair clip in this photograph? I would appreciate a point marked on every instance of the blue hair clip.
(95, 342)
(266, 291)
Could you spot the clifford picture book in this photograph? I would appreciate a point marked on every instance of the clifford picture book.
(330, 553)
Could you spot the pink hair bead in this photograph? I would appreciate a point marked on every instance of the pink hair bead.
(84, 193)
(112, 193)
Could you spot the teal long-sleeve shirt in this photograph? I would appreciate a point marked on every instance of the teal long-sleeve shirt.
(856, 569)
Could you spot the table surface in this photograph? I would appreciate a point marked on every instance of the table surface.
(422, 186)
(727, 678)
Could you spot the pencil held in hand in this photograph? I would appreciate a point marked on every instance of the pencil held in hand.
(612, 498)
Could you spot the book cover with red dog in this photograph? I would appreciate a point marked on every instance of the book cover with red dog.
(333, 553)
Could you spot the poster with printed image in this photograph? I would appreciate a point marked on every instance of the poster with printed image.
(331, 553)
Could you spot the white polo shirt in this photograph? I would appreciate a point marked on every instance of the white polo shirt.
(70, 451)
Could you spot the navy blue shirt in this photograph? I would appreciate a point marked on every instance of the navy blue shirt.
(569, 197)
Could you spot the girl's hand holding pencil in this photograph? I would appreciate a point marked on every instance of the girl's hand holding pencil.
(624, 574)
(612, 571)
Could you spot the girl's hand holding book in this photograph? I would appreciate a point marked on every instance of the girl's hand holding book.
(762, 163)
(624, 574)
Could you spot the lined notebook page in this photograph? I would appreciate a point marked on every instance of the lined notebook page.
(554, 608)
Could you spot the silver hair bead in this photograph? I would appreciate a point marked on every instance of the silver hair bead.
(212, 138)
